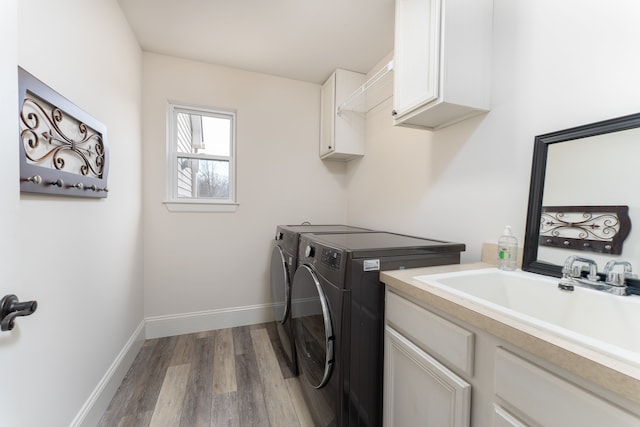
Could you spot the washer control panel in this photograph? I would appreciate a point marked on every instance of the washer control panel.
(328, 262)
(331, 258)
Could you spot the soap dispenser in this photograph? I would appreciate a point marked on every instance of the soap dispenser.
(507, 250)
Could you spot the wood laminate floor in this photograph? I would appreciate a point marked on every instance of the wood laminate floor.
(228, 377)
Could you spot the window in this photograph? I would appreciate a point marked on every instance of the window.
(201, 159)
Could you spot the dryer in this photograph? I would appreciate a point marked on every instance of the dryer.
(337, 317)
(284, 261)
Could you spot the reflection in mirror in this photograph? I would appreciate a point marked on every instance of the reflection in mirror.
(595, 164)
(600, 229)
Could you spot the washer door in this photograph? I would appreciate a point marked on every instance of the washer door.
(312, 328)
(280, 285)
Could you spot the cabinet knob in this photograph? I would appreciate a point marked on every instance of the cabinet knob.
(394, 113)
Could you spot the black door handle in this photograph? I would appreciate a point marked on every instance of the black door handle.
(10, 308)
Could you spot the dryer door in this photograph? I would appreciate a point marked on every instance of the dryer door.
(312, 328)
(280, 285)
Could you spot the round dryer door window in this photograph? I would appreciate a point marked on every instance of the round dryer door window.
(280, 285)
(312, 329)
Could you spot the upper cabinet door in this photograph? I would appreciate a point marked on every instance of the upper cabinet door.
(442, 61)
(327, 116)
(341, 135)
(417, 53)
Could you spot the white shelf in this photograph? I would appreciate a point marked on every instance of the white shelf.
(371, 93)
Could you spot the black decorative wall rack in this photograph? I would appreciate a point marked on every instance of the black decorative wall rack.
(585, 228)
(63, 149)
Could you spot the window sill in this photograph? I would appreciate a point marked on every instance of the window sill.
(200, 206)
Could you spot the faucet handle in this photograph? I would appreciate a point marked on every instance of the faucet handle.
(576, 271)
(568, 271)
(570, 268)
(617, 278)
(610, 265)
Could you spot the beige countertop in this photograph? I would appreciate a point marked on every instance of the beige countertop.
(612, 374)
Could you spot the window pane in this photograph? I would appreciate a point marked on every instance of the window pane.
(217, 135)
(203, 134)
(199, 178)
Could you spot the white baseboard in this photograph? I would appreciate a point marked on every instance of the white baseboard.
(188, 323)
(99, 400)
(156, 327)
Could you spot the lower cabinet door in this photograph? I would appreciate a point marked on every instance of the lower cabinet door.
(551, 401)
(419, 390)
(502, 418)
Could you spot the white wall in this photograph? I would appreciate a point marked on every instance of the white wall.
(81, 259)
(556, 64)
(12, 347)
(196, 262)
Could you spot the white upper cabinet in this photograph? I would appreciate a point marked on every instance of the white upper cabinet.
(341, 135)
(442, 61)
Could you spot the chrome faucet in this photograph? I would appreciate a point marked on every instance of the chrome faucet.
(574, 271)
(613, 284)
(617, 278)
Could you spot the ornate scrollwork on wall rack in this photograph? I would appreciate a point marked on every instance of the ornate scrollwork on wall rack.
(63, 150)
(585, 228)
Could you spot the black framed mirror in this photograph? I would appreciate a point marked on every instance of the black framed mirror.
(585, 166)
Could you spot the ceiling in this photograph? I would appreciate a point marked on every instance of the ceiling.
(299, 39)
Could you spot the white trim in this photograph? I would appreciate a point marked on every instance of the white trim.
(98, 401)
(156, 327)
(200, 206)
(187, 323)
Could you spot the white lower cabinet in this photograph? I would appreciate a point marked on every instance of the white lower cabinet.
(435, 364)
(420, 391)
(502, 418)
(549, 400)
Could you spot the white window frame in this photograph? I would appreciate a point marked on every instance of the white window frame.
(172, 202)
